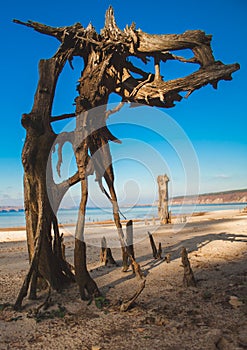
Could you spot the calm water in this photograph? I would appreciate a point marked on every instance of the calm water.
(95, 214)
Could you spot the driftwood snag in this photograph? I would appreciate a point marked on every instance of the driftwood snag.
(156, 252)
(163, 210)
(128, 303)
(103, 249)
(189, 279)
(105, 254)
(159, 253)
(129, 241)
(153, 245)
(107, 69)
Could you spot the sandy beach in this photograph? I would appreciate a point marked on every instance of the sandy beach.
(167, 315)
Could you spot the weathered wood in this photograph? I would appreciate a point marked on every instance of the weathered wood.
(189, 279)
(105, 254)
(106, 70)
(103, 250)
(163, 211)
(32, 268)
(153, 245)
(129, 241)
(168, 258)
(159, 253)
(128, 303)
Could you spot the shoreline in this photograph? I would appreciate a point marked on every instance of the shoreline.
(166, 310)
(15, 234)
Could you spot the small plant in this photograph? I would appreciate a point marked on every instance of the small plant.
(100, 302)
(44, 315)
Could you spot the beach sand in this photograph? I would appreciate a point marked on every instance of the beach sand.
(167, 315)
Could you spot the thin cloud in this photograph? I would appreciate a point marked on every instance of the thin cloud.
(222, 176)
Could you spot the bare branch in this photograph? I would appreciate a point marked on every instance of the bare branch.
(60, 141)
(66, 184)
(128, 303)
(114, 110)
(73, 179)
(56, 32)
(140, 85)
(196, 40)
(150, 93)
(62, 117)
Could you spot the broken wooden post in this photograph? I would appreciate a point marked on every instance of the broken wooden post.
(159, 253)
(103, 249)
(153, 246)
(189, 279)
(129, 241)
(106, 254)
(156, 252)
(163, 212)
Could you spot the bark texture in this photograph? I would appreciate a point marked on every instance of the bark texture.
(189, 279)
(163, 210)
(107, 70)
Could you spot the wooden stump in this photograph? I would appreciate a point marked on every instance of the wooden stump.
(189, 279)
(159, 253)
(129, 242)
(153, 246)
(106, 254)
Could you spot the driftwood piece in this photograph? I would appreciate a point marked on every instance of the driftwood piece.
(136, 268)
(128, 303)
(189, 279)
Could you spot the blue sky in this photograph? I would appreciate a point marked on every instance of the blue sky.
(213, 120)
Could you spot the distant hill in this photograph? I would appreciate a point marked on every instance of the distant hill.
(11, 209)
(234, 196)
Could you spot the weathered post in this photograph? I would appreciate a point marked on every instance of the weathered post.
(163, 211)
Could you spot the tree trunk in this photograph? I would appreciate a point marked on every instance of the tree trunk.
(163, 211)
(35, 158)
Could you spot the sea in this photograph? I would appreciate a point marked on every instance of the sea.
(69, 216)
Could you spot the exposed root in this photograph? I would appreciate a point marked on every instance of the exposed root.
(128, 303)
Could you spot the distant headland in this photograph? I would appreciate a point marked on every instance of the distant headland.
(223, 197)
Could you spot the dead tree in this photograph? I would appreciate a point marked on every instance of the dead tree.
(107, 69)
(163, 198)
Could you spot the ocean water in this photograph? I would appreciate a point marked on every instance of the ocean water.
(17, 219)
